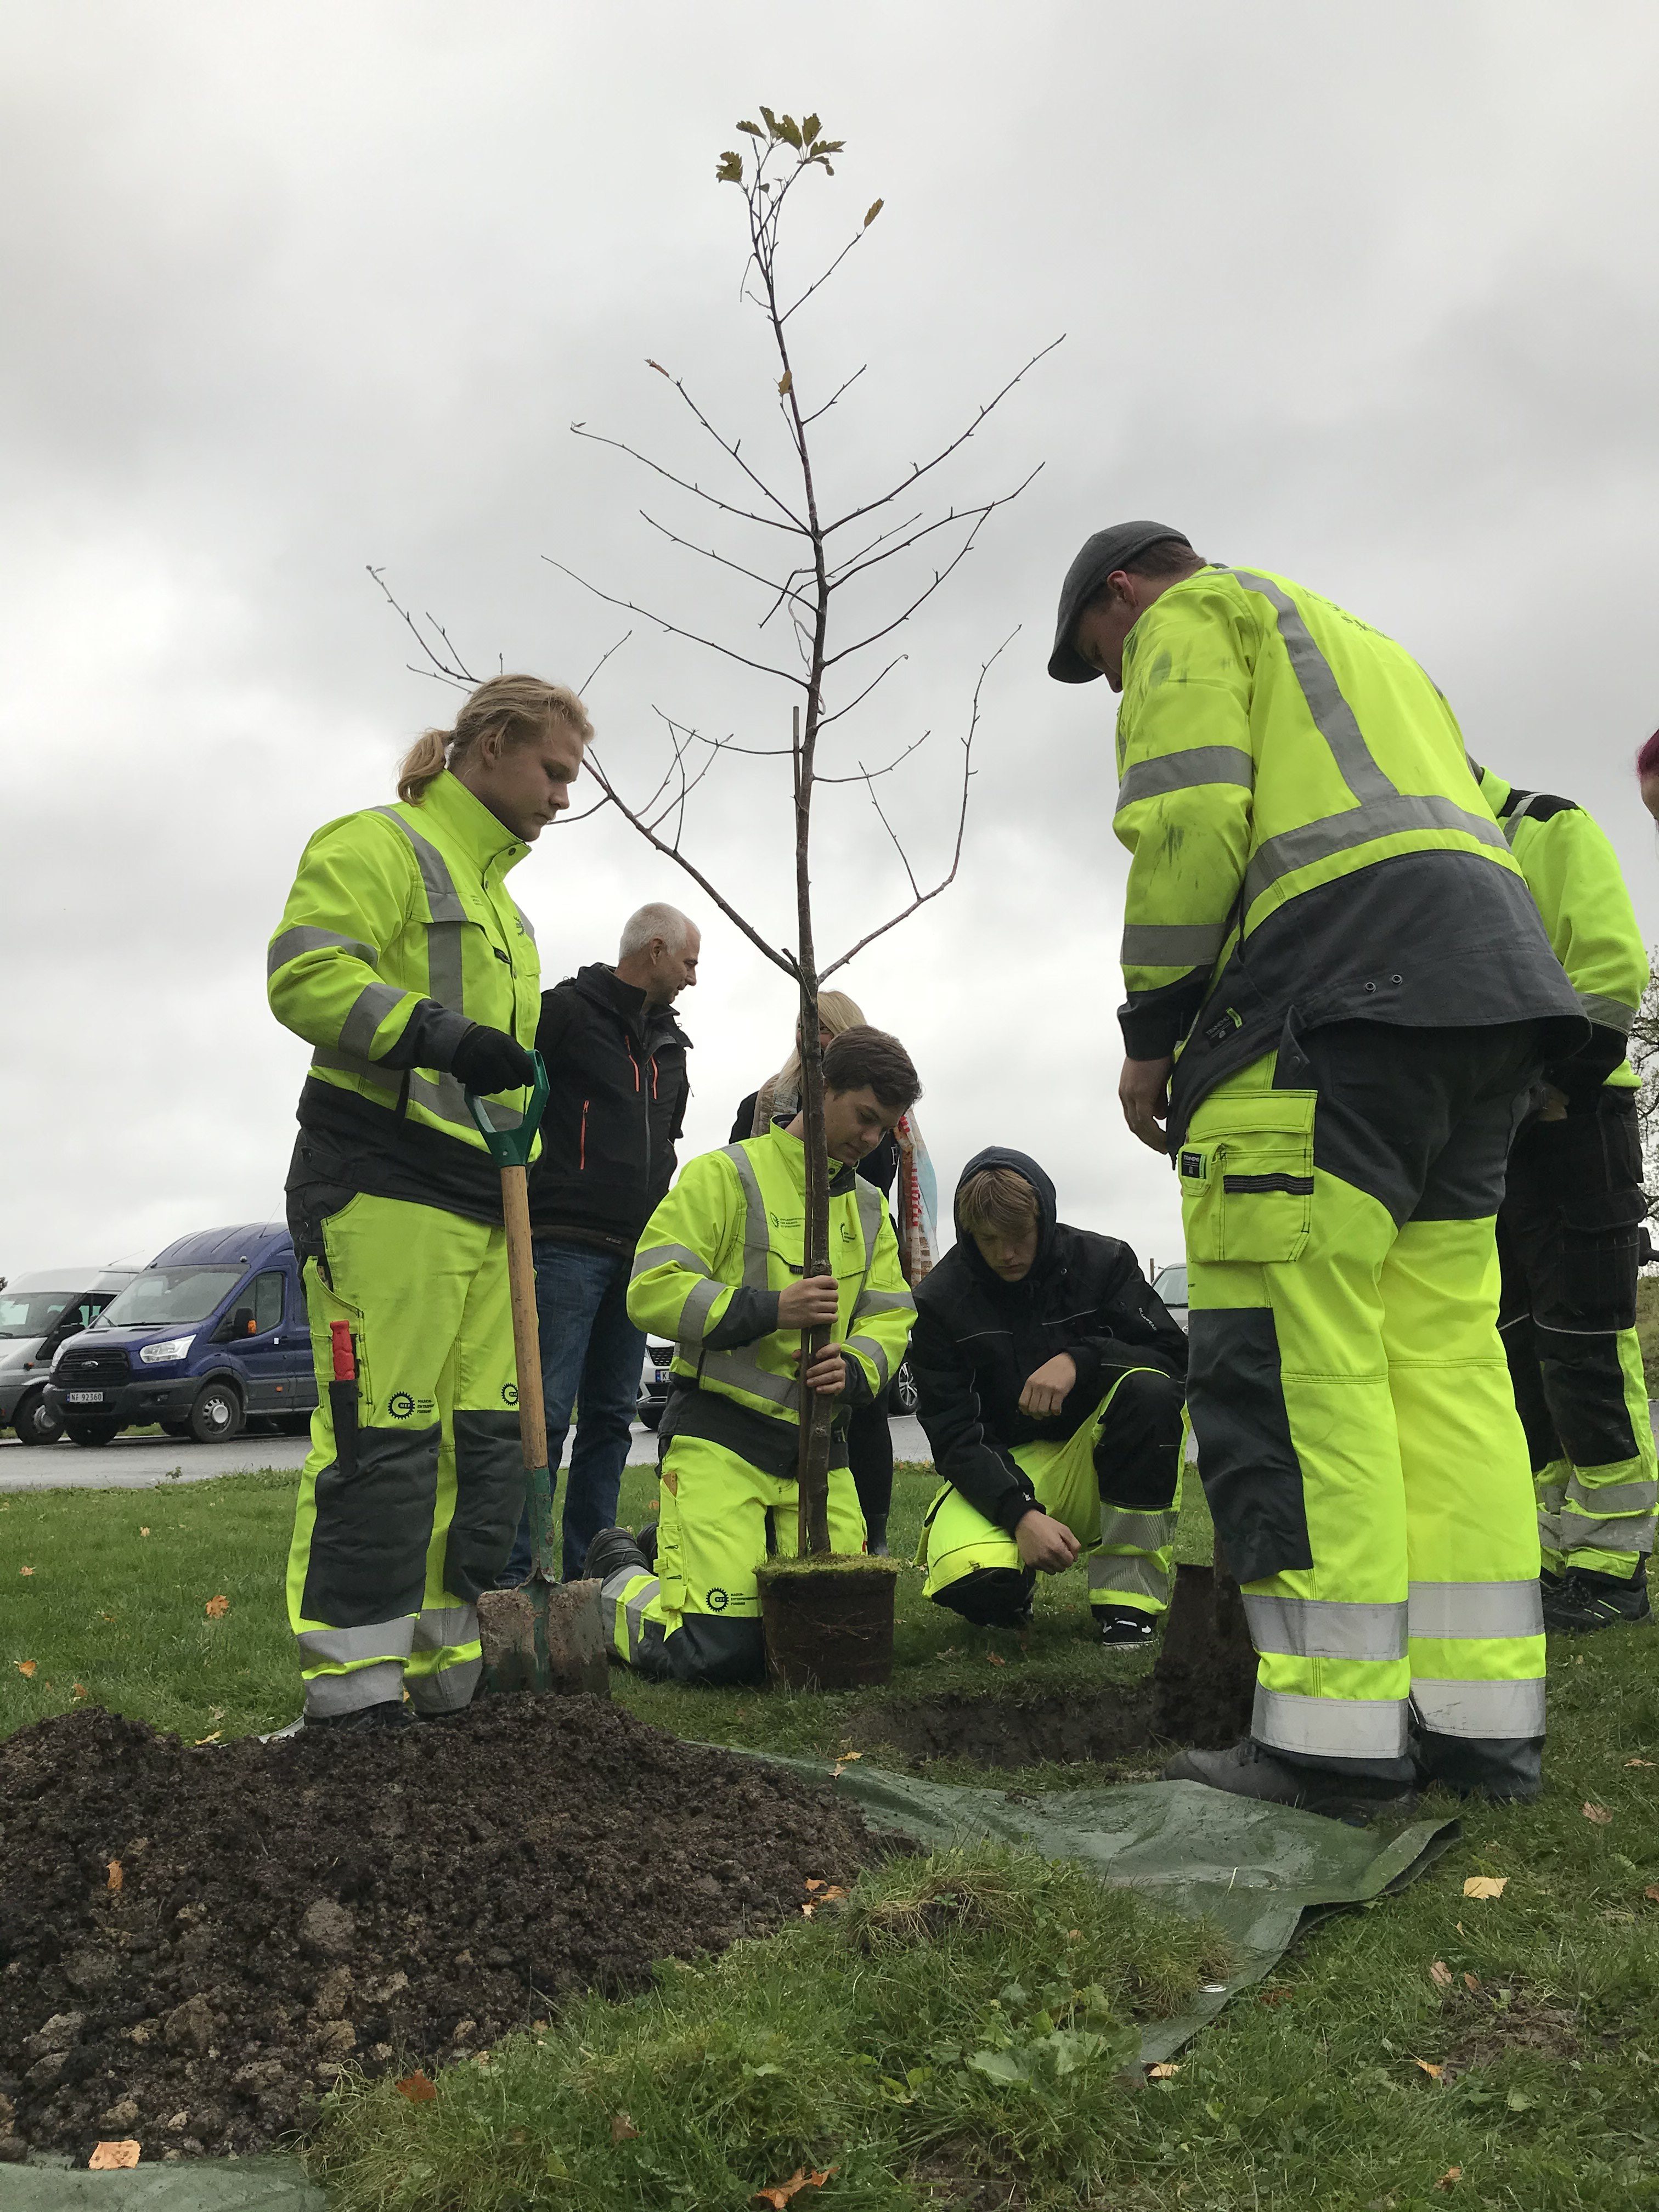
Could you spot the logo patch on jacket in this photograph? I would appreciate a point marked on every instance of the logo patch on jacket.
(400, 1405)
(509, 1394)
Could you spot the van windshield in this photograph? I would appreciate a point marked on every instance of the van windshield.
(32, 1313)
(169, 1294)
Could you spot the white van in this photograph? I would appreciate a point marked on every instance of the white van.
(37, 1313)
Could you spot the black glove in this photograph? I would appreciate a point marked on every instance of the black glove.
(488, 1060)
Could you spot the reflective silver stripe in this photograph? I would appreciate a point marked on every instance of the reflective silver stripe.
(525, 923)
(351, 1063)
(441, 897)
(872, 1205)
(1139, 1531)
(1332, 717)
(1134, 1573)
(445, 1100)
(1476, 1610)
(869, 1302)
(1549, 1532)
(1340, 833)
(633, 1591)
(449, 1691)
(1188, 771)
(328, 1695)
(693, 1314)
(1172, 944)
(1325, 1628)
(663, 1256)
(1608, 1013)
(1612, 1496)
(1519, 812)
(346, 1647)
(741, 1371)
(443, 965)
(437, 1627)
(1329, 1727)
(1487, 1709)
(1552, 1494)
(302, 937)
(756, 1239)
(369, 1009)
(875, 1355)
(1576, 1534)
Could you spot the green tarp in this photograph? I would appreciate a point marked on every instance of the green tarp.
(1260, 1872)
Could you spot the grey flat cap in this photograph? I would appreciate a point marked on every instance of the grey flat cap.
(1106, 550)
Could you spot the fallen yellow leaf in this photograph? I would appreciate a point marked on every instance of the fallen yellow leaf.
(1429, 2068)
(77, 1689)
(1599, 1813)
(1472, 1984)
(1652, 1893)
(116, 1876)
(217, 1608)
(143, 1532)
(214, 1738)
(26, 1668)
(111, 2156)
(1450, 2178)
(1638, 1762)
(780, 2191)
(622, 2127)
(1484, 1885)
(1165, 2073)
(811, 1884)
(996, 1658)
(26, 1571)
(416, 2088)
(1441, 1974)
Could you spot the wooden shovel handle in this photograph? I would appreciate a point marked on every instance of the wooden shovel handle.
(526, 1337)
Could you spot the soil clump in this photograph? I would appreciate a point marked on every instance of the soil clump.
(1056, 1727)
(195, 1940)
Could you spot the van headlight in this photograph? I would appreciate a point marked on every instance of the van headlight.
(170, 1347)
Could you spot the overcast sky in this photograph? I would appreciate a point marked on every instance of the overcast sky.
(1363, 296)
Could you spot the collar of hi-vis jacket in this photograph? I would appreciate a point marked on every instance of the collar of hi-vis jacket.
(466, 829)
(791, 1154)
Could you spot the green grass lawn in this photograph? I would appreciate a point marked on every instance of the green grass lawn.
(1541, 2005)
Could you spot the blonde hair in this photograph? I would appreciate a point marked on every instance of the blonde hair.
(999, 1200)
(837, 1013)
(513, 708)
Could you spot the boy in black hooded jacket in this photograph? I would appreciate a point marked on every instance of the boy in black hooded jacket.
(1051, 1377)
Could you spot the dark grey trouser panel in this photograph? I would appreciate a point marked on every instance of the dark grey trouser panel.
(991, 1598)
(490, 1497)
(1251, 1475)
(1138, 1452)
(1489, 1767)
(704, 1648)
(367, 1556)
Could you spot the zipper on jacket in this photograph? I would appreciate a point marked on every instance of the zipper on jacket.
(581, 1154)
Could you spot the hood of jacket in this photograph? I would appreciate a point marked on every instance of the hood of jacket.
(602, 986)
(1001, 1155)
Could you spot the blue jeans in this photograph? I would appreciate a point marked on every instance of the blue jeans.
(591, 1351)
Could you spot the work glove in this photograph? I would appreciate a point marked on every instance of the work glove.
(488, 1060)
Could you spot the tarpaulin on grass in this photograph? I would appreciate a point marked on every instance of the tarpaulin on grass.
(1262, 1873)
(205, 2184)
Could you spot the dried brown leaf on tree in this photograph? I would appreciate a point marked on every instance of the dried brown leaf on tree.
(113, 2157)
(780, 2191)
(873, 211)
(1599, 1813)
(416, 2087)
(217, 1608)
(785, 384)
(728, 170)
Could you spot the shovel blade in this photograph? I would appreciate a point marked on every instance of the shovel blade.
(545, 1637)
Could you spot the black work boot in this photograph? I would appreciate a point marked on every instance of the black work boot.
(611, 1551)
(366, 1720)
(647, 1541)
(1250, 1771)
(1123, 1624)
(1583, 1599)
(875, 1538)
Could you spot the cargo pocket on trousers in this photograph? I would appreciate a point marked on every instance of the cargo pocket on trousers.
(1247, 1179)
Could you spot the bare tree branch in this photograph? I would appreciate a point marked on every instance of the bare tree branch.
(745, 513)
(846, 386)
(921, 600)
(922, 898)
(783, 590)
(581, 689)
(864, 775)
(860, 567)
(824, 720)
(673, 628)
(455, 671)
(734, 452)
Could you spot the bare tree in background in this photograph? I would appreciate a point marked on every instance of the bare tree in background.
(809, 551)
(1644, 1059)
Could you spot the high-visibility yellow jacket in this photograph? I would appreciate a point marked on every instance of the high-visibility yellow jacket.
(710, 1264)
(398, 934)
(1573, 872)
(1308, 841)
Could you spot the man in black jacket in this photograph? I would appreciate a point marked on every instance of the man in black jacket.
(1051, 1377)
(616, 1106)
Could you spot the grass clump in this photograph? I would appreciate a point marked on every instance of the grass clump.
(977, 2008)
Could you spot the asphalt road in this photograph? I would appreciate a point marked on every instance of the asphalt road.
(142, 1462)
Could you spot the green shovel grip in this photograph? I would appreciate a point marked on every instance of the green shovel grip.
(510, 1148)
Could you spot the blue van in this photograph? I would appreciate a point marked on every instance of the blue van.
(210, 1335)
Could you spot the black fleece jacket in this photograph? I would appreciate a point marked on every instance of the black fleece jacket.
(617, 1087)
(978, 1340)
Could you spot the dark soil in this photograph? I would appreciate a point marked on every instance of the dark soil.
(832, 1630)
(390, 1900)
(1199, 1693)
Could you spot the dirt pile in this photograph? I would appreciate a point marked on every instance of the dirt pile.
(194, 1941)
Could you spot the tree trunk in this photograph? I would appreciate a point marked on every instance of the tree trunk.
(812, 1470)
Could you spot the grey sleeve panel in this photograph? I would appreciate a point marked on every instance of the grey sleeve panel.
(430, 1038)
(751, 1313)
(1186, 771)
(368, 1009)
(303, 937)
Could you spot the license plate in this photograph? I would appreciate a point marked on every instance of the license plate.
(662, 1375)
(84, 1397)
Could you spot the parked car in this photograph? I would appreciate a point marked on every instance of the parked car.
(1171, 1284)
(653, 1382)
(212, 1333)
(904, 1396)
(38, 1313)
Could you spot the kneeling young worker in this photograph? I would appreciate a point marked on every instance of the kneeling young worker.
(1050, 1377)
(719, 1270)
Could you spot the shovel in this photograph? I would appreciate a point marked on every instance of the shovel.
(549, 1635)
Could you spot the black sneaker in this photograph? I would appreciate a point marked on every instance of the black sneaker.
(1248, 1770)
(610, 1551)
(1123, 1624)
(366, 1720)
(1583, 1599)
(649, 1545)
